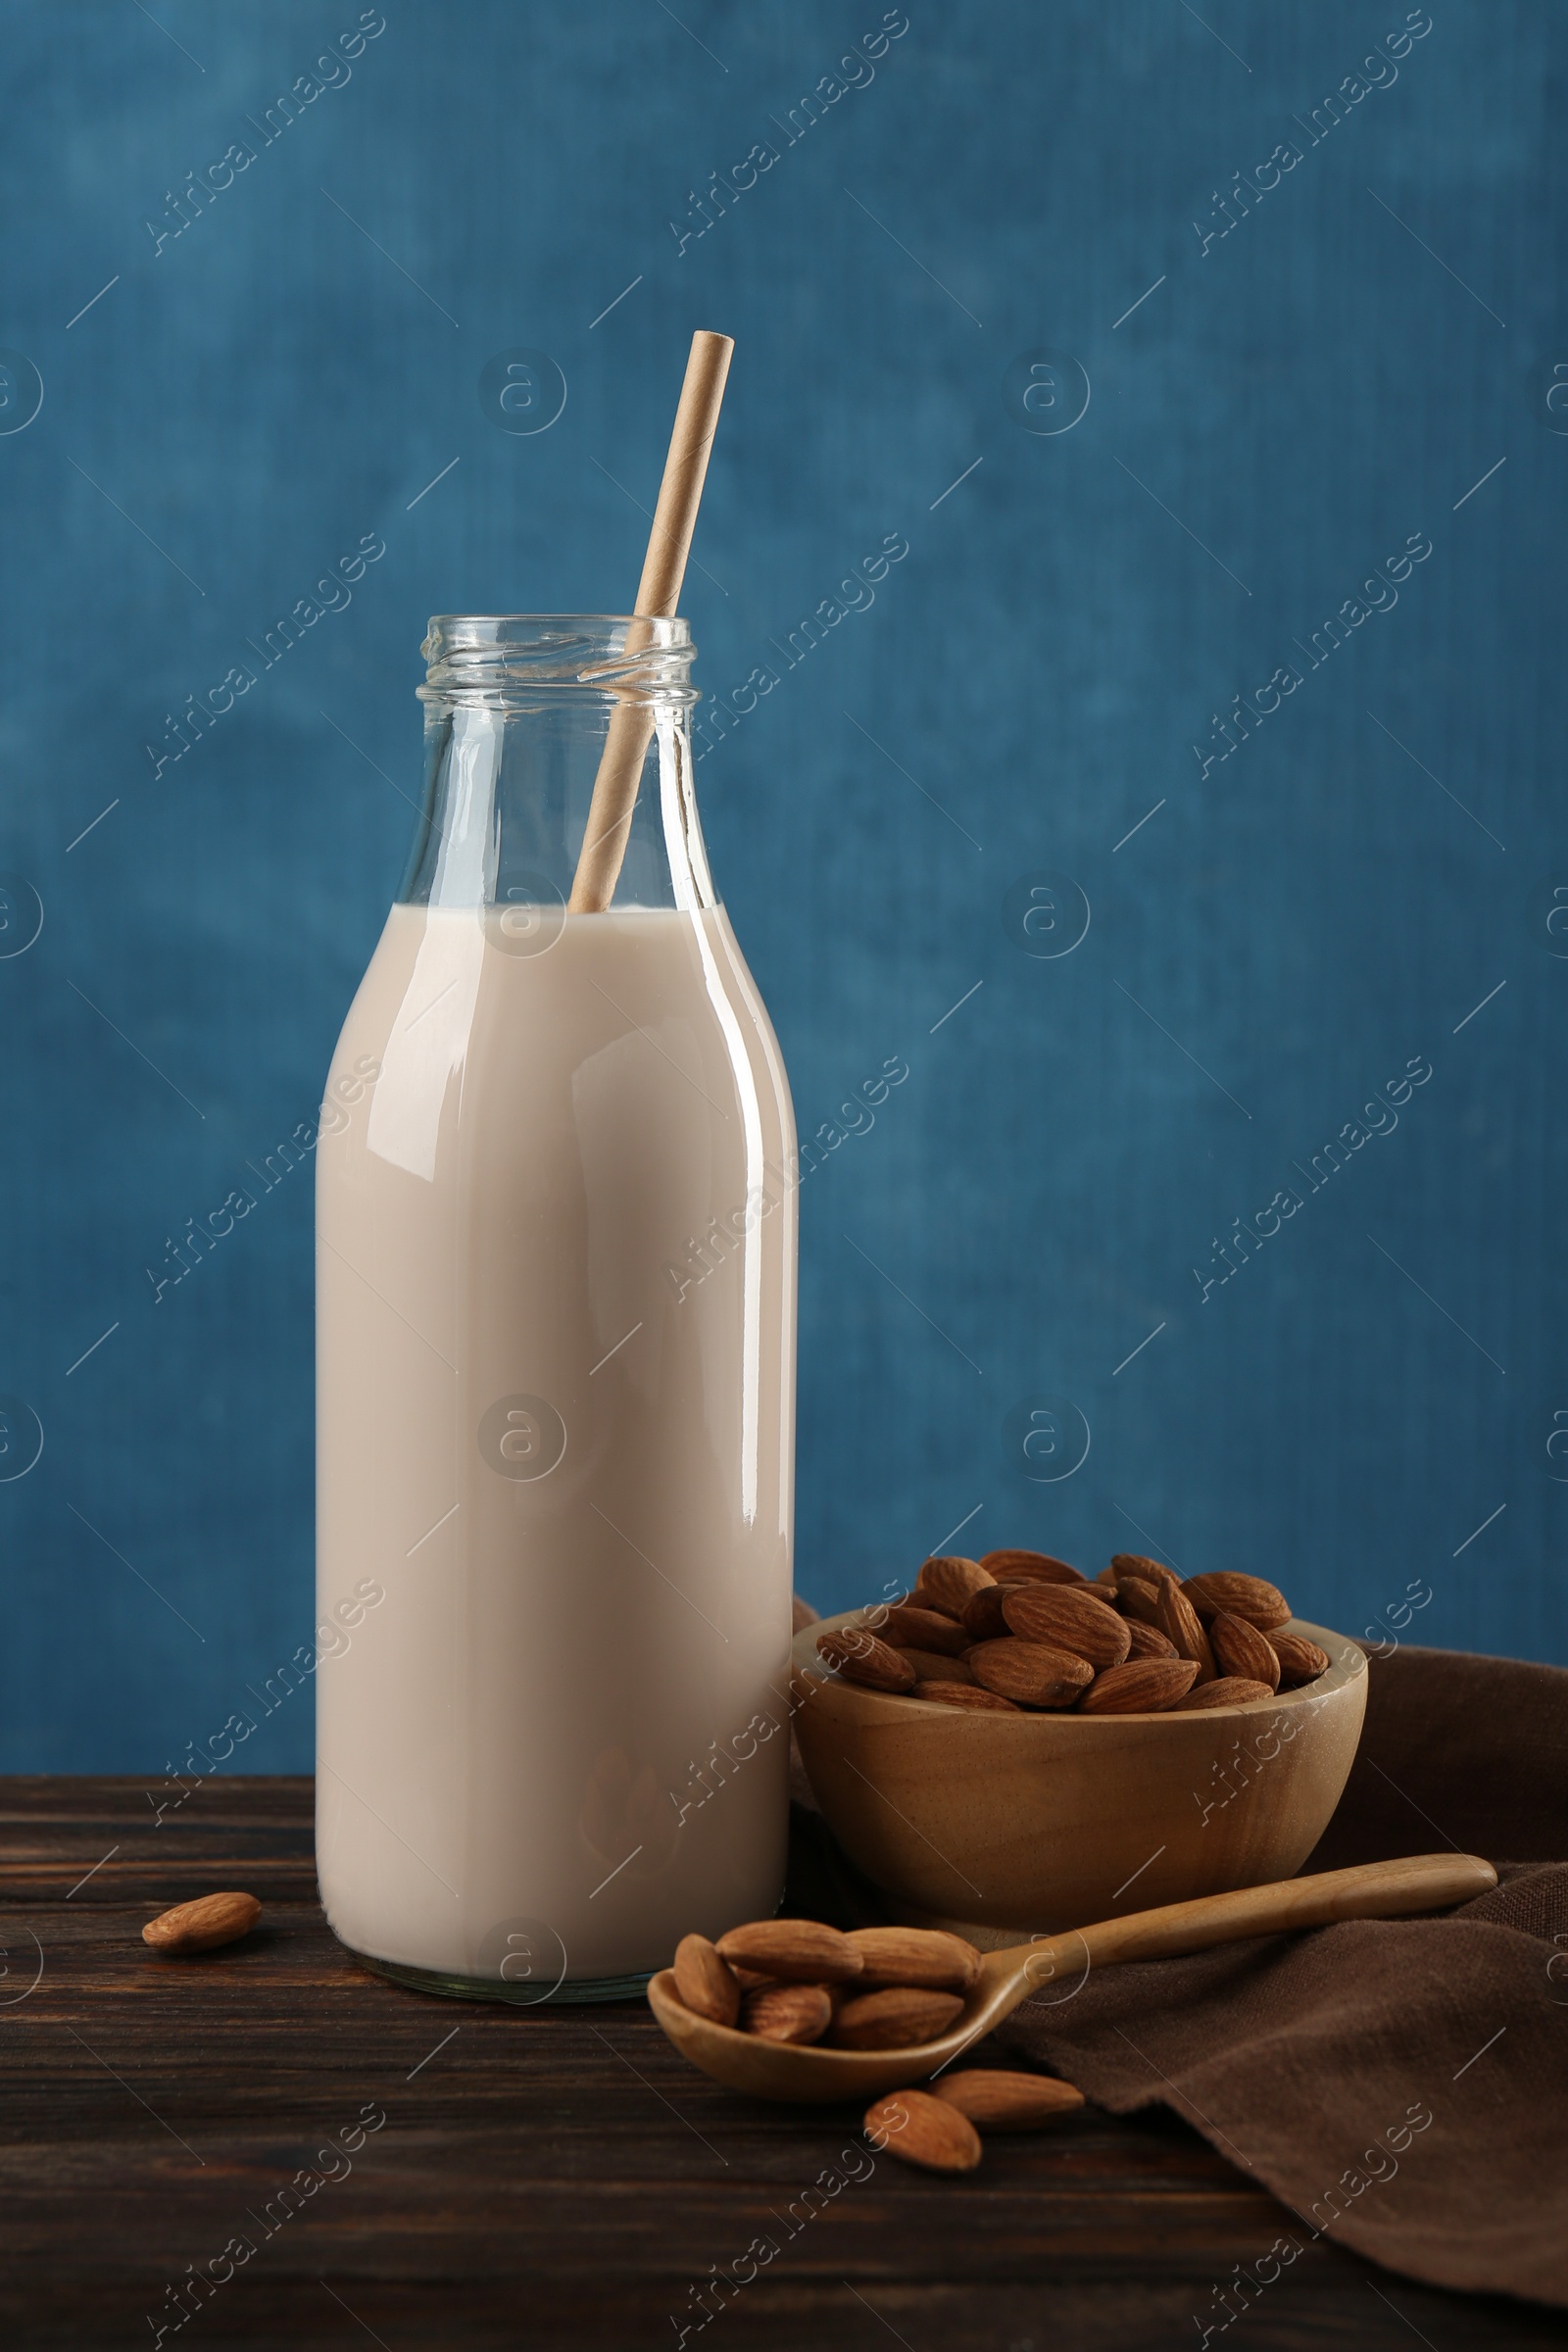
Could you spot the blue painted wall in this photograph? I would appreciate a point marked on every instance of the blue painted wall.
(1287, 389)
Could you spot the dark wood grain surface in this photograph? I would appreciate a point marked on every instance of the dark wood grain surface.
(540, 2177)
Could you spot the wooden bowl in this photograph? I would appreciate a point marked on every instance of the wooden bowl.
(1007, 1825)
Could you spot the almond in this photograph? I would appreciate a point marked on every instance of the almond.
(203, 1924)
(900, 2018)
(1239, 1648)
(931, 2132)
(1003, 2101)
(1178, 1622)
(1148, 1642)
(1108, 1576)
(1137, 1563)
(1300, 1660)
(1021, 1566)
(749, 1979)
(964, 1695)
(1029, 1673)
(801, 1952)
(947, 1582)
(1143, 1687)
(1079, 1621)
(707, 1987)
(787, 2013)
(929, 1668)
(983, 1620)
(1230, 1691)
(911, 1628)
(926, 1957)
(1137, 1597)
(860, 1657)
(1261, 1605)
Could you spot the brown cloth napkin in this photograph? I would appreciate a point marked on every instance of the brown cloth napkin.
(1400, 2085)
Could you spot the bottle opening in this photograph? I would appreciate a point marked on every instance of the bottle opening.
(517, 713)
(492, 659)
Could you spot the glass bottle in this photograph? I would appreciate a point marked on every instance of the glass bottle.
(556, 1283)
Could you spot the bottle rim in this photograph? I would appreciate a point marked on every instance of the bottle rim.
(614, 656)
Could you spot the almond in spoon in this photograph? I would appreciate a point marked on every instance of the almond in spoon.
(203, 1924)
(923, 2131)
(707, 1987)
(1148, 1642)
(798, 1951)
(1003, 2101)
(927, 1957)
(898, 2019)
(795, 2013)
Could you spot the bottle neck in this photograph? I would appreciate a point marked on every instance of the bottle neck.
(517, 711)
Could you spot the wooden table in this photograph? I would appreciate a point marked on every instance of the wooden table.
(541, 2177)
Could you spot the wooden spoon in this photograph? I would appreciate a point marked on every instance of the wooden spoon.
(811, 2075)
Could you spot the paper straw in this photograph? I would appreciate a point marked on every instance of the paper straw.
(631, 724)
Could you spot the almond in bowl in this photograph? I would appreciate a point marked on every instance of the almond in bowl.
(1124, 1741)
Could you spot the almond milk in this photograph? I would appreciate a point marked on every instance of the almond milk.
(567, 1459)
